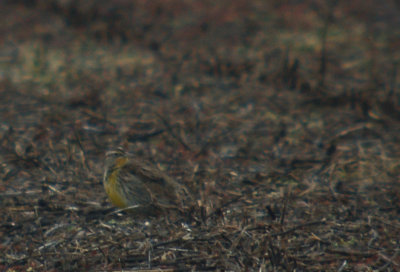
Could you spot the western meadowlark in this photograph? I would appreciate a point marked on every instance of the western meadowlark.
(130, 182)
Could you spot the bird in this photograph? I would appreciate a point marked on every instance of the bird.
(132, 183)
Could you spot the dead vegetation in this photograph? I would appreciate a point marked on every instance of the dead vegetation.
(283, 118)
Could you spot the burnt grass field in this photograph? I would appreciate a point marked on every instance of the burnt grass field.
(281, 117)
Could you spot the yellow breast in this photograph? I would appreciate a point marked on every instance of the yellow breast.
(115, 197)
(112, 186)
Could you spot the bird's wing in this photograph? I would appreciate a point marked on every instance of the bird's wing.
(138, 193)
(162, 189)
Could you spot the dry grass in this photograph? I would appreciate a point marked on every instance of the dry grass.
(293, 154)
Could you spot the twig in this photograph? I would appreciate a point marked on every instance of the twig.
(284, 208)
(223, 206)
(124, 209)
(171, 131)
(298, 227)
(389, 260)
(13, 194)
(209, 141)
(78, 139)
(350, 252)
(142, 137)
(323, 59)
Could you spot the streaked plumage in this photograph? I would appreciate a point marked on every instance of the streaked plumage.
(131, 182)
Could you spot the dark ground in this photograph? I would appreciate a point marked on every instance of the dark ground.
(283, 118)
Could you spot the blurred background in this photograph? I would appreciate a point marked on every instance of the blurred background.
(282, 117)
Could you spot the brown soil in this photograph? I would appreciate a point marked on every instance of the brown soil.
(282, 117)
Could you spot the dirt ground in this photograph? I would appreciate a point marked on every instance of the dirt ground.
(281, 117)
